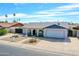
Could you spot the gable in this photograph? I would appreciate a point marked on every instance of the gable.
(55, 27)
(17, 25)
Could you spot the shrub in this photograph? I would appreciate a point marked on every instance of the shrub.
(3, 32)
(32, 41)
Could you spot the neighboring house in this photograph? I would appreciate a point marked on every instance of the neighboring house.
(45, 30)
(12, 27)
(77, 30)
(72, 32)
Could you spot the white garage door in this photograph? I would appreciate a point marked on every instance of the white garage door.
(57, 33)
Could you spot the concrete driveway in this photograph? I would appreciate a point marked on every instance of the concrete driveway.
(70, 45)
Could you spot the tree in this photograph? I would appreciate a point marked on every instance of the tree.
(18, 19)
(14, 15)
(6, 21)
(1, 21)
(14, 21)
(6, 17)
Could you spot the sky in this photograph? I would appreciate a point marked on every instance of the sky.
(40, 12)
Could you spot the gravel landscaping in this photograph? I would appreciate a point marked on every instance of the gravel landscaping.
(14, 38)
(31, 41)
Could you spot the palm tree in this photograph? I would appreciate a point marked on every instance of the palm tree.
(6, 17)
(14, 21)
(14, 16)
(18, 19)
(6, 21)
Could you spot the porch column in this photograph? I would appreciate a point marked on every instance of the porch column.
(37, 32)
(31, 31)
(77, 33)
(74, 33)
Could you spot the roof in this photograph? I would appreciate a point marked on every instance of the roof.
(39, 25)
(8, 24)
(55, 27)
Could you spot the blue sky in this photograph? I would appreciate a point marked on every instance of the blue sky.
(40, 12)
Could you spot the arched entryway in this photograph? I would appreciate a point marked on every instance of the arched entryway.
(40, 33)
(34, 33)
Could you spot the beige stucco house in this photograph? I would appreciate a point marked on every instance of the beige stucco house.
(45, 30)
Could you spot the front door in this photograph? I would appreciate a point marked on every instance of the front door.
(34, 33)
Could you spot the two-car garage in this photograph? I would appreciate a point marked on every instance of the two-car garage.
(55, 32)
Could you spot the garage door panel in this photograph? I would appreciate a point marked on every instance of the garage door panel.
(55, 33)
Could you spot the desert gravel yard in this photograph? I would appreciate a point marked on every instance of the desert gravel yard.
(69, 46)
(13, 38)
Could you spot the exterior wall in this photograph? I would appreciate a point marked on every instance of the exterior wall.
(56, 33)
(78, 33)
(12, 29)
(25, 31)
(74, 33)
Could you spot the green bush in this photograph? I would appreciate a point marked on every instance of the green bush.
(3, 32)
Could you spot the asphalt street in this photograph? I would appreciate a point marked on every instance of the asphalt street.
(6, 50)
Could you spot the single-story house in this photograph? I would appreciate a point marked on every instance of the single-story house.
(71, 31)
(45, 30)
(77, 30)
(12, 27)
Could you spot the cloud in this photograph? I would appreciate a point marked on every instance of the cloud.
(68, 7)
(64, 7)
(18, 15)
(73, 13)
(18, 4)
(60, 11)
(27, 16)
(48, 15)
